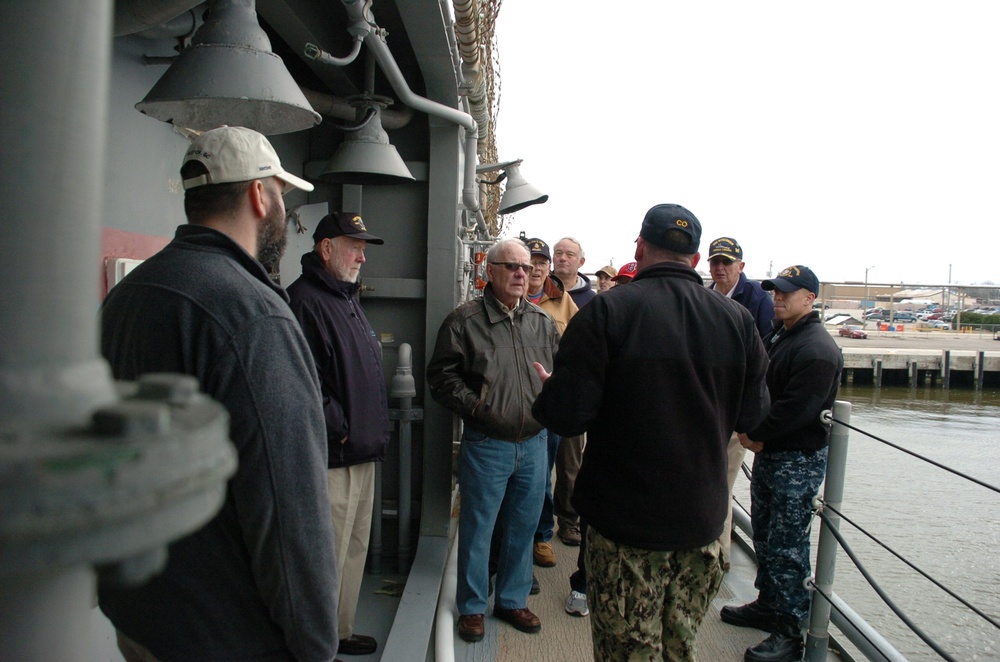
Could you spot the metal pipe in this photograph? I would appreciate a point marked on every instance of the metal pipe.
(818, 636)
(444, 621)
(404, 388)
(867, 639)
(314, 52)
(470, 191)
(878, 373)
(50, 373)
(946, 368)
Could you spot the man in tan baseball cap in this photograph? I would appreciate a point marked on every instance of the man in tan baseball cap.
(206, 306)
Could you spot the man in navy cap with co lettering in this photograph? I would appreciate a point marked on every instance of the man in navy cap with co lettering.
(652, 487)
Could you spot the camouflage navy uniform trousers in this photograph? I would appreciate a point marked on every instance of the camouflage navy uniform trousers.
(647, 605)
(781, 494)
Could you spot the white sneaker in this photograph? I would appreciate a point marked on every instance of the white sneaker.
(576, 604)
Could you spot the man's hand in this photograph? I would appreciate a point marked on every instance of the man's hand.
(542, 374)
(749, 444)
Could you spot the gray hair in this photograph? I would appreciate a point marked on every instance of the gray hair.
(575, 241)
(497, 248)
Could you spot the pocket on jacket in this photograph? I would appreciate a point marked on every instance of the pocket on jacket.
(472, 436)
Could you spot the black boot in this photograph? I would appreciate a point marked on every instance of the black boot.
(750, 615)
(784, 644)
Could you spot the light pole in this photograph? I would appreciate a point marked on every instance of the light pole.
(867, 269)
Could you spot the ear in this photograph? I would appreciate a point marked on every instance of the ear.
(489, 272)
(695, 259)
(260, 203)
(640, 248)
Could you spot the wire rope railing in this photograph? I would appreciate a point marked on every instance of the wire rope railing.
(831, 538)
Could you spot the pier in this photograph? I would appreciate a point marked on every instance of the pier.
(916, 359)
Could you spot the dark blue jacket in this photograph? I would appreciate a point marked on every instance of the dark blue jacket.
(803, 378)
(760, 304)
(258, 581)
(349, 360)
(584, 293)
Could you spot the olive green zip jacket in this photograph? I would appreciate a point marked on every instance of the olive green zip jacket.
(481, 367)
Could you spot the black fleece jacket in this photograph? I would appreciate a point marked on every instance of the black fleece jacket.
(658, 373)
(803, 378)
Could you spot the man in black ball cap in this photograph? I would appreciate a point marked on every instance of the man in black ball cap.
(349, 360)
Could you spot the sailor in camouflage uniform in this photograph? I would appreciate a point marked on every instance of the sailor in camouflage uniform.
(789, 465)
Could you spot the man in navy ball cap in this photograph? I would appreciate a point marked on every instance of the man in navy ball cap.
(652, 487)
(790, 452)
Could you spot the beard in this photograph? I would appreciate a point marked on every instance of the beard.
(272, 238)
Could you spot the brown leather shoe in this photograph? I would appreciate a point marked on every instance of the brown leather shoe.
(543, 554)
(522, 619)
(471, 628)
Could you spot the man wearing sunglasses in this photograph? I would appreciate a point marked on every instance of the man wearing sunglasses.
(481, 369)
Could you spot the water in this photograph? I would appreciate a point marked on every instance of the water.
(943, 524)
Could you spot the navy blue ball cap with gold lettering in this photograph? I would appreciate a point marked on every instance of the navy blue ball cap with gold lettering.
(538, 247)
(726, 247)
(344, 224)
(663, 218)
(793, 278)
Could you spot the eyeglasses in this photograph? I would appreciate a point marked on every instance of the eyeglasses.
(513, 266)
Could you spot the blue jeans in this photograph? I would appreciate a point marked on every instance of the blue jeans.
(781, 493)
(494, 473)
(547, 522)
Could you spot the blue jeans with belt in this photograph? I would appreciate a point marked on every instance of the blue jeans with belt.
(501, 483)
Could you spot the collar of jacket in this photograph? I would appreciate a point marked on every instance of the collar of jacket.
(202, 235)
(812, 317)
(312, 267)
(670, 270)
(553, 288)
(493, 307)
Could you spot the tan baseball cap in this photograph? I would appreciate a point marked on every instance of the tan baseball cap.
(237, 154)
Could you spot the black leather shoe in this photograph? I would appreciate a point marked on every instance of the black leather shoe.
(750, 615)
(357, 644)
(778, 647)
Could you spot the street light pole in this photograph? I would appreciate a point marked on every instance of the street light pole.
(867, 269)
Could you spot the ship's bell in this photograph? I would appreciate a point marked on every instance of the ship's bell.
(365, 156)
(228, 75)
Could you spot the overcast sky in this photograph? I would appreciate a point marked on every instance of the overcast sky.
(836, 135)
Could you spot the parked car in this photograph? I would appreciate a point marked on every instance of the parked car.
(904, 317)
(852, 331)
(939, 324)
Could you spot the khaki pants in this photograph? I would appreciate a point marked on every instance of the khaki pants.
(734, 454)
(569, 457)
(352, 495)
